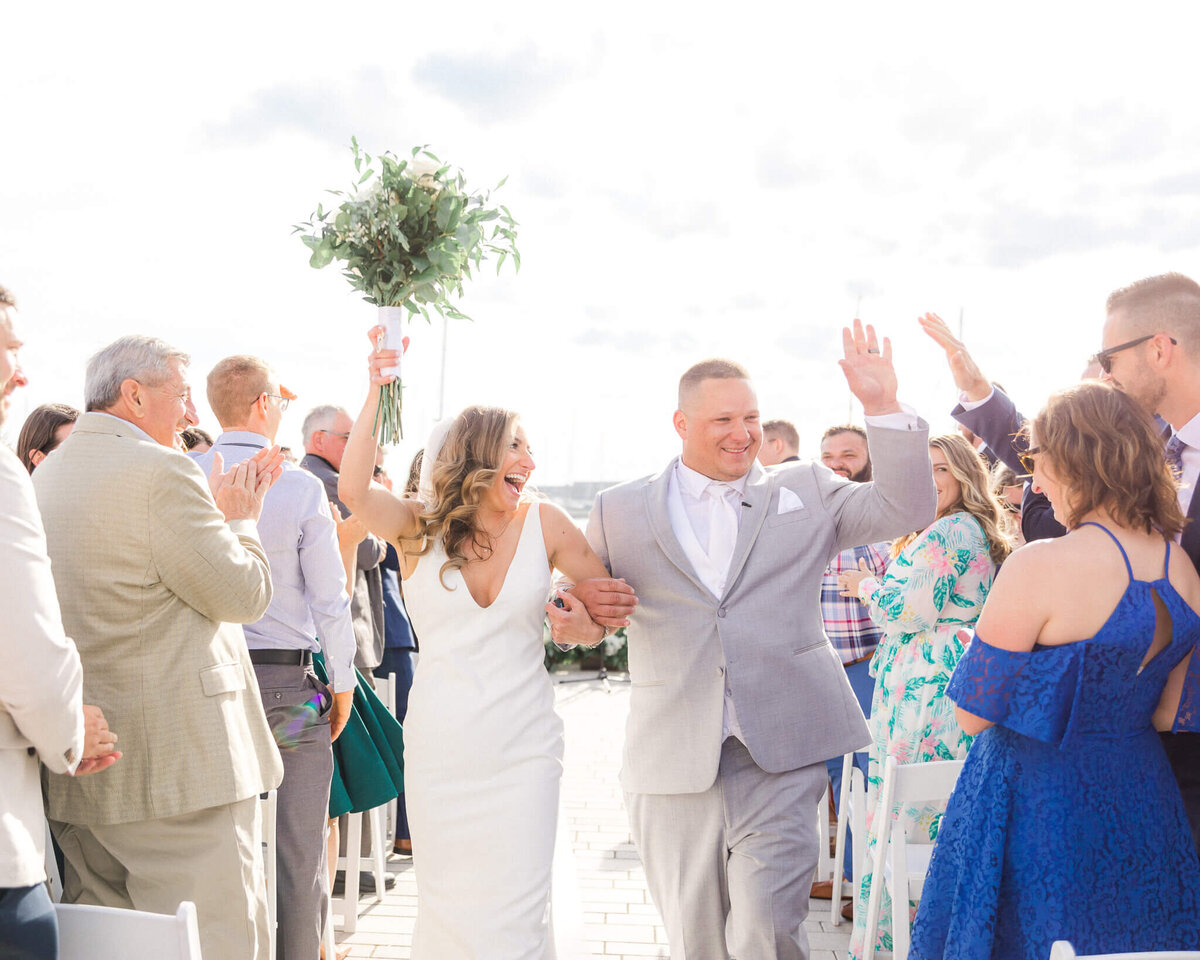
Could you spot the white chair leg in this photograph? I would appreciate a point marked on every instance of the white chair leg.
(858, 825)
(268, 804)
(53, 880)
(351, 864)
(375, 822)
(898, 888)
(327, 937)
(393, 805)
(839, 849)
(883, 827)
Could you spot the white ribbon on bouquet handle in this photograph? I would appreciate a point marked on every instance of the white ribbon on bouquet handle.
(390, 318)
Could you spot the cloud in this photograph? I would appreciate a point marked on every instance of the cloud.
(492, 88)
(1018, 237)
(669, 219)
(324, 111)
(779, 168)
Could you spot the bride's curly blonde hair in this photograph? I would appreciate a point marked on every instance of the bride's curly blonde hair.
(465, 469)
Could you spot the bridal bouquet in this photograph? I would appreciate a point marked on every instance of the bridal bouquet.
(407, 232)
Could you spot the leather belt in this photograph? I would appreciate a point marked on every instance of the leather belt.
(284, 658)
(850, 664)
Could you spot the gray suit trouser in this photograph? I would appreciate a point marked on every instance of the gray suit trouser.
(730, 868)
(303, 807)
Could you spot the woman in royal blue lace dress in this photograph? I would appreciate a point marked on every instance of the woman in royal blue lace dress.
(1066, 823)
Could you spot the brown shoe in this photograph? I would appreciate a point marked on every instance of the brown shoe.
(848, 910)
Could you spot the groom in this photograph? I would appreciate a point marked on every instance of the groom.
(738, 698)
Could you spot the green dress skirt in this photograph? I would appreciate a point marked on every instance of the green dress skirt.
(368, 758)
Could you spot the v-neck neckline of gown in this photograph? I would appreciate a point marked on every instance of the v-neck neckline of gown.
(511, 561)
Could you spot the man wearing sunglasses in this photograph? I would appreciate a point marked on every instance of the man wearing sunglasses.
(1151, 350)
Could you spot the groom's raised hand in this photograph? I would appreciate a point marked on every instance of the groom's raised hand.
(609, 602)
(868, 370)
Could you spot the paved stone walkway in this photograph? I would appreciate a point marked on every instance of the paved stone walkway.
(619, 921)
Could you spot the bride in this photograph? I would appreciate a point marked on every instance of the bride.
(482, 743)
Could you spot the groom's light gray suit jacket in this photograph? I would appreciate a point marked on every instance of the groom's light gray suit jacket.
(793, 702)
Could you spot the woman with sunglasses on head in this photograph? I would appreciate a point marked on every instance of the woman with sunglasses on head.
(1066, 823)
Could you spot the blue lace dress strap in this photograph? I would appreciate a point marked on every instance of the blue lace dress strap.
(1032, 692)
(1124, 555)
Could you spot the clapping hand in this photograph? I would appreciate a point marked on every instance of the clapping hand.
(570, 624)
(380, 359)
(99, 743)
(869, 372)
(849, 580)
(967, 375)
(239, 492)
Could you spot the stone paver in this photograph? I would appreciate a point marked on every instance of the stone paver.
(618, 918)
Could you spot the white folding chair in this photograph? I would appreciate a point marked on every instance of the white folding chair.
(268, 803)
(853, 816)
(86, 932)
(1061, 950)
(825, 868)
(897, 864)
(54, 882)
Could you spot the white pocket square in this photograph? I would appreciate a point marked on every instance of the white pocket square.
(788, 501)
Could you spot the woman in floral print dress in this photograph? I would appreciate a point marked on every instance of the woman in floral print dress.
(934, 588)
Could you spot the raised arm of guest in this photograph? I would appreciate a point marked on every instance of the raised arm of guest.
(993, 417)
(384, 514)
(985, 411)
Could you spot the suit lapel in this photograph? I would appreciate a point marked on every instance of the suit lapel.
(1190, 541)
(758, 497)
(659, 516)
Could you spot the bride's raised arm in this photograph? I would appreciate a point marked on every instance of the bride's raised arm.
(383, 513)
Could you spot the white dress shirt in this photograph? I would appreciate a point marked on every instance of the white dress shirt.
(1189, 433)
(688, 506)
(310, 609)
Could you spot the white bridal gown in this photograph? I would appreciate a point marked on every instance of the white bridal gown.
(482, 761)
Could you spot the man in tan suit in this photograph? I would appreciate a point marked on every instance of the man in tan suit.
(154, 569)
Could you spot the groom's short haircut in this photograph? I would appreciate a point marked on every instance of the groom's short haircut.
(709, 370)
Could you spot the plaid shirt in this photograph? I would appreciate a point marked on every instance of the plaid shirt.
(847, 622)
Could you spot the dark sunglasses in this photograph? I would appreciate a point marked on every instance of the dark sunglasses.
(1104, 357)
(1026, 459)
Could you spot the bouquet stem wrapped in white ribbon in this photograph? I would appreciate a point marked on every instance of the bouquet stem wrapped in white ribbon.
(407, 235)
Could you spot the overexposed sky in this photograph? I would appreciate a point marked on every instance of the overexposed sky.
(689, 184)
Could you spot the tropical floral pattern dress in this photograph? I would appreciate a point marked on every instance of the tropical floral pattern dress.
(933, 589)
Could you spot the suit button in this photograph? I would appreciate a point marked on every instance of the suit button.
(721, 613)
(279, 696)
(720, 671)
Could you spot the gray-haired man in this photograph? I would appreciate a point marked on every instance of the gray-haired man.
(155, 566)
(326, 430)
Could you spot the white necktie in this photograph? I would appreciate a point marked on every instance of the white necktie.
(722, 526)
